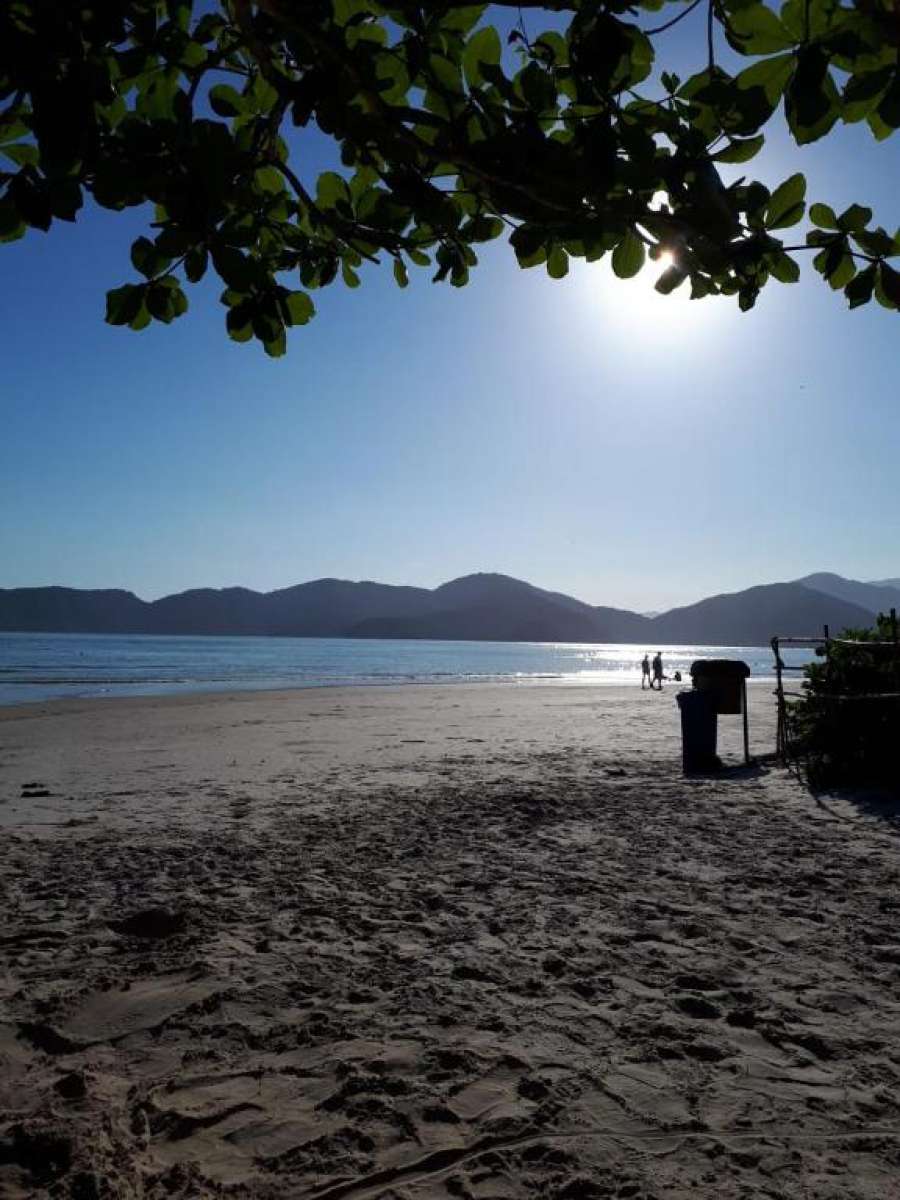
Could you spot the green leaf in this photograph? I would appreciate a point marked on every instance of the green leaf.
(123, 304)
(771, 75)
(812, 103)
(12, 227)
(538, 88)
(877, 242)
(146, 258)
(192, 55)
(755, 29)
(179, 301)
(11, 128)
(889, 104)
(889, 281)
(463, 19)
(628, 256)
(880, 130)
(786, 204)
(346, 10)
(528, 243)
(333, 192)
(843, 272)
(747, 297)
(446, 73)
(300, 308)
(263, 94)
(482, 48)
(65, 198)
(276, 346)
(862, 94)
(238, 323)
(141, 319)
(482, 229)
(854, 219)
(269, 179)
(234, 268)
(740, 150)
(670, 279)
(195, 263)
(557, 262)
(349, 276)
(823, 216)
(159, 304)
(400, 273)
(783, 267)
(859, 290)
(22, 154)
(225, 101)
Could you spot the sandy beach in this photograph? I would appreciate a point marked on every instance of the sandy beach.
(458, 941)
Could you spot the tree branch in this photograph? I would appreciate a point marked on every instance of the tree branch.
(669, 24)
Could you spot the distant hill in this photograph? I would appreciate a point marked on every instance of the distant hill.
(480, 607)
(497, 608)
(876, 597)
(65, 610)
(751, 617)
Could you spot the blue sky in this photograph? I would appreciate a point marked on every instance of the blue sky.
(585, 434)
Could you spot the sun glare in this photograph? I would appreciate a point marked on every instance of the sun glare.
(633, 308)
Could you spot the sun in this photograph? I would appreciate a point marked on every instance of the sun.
(632, 309)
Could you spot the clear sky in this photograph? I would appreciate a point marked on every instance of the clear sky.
(585, 435)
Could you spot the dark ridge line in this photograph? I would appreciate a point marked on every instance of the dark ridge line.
(440, 1161)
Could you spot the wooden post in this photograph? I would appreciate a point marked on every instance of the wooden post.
(746, 728)
(779, 694)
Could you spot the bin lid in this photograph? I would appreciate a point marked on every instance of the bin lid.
(693, 699)
(720, 668)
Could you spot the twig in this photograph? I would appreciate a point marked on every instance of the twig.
(669, 24)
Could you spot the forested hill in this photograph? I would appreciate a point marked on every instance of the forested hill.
(481, 607)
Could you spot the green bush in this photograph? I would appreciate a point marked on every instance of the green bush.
(847, 724)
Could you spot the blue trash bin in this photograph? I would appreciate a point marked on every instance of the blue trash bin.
(698, 732)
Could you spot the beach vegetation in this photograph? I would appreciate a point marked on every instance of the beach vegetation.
(845, 727)
(282, 146)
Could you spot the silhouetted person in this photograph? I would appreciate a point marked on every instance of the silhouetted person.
(657, 670)
(646, 678)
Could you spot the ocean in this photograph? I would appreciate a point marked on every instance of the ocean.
(44, 666)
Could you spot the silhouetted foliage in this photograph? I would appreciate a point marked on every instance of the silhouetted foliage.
(449, 136)
(847, 724)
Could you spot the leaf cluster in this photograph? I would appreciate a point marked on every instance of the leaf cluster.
(845, 726)
(573, 143)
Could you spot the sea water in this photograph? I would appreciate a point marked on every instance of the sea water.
(42, 666)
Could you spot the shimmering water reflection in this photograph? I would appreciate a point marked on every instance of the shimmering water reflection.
(44, 666)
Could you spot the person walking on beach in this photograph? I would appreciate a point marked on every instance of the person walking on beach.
(657, 671)
(646, 678)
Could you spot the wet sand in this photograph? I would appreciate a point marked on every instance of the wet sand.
(472, 941)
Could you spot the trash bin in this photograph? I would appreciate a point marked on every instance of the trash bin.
(698, 732)
(723, 680)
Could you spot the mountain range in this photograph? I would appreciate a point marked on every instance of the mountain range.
(481, 607)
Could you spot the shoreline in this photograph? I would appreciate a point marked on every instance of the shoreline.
(214, 692)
